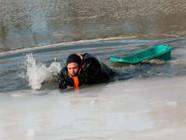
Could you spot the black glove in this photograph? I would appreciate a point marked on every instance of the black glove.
(62, 84)
(66, 82)
(69, 81)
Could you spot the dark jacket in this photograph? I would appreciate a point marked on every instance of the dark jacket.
(92, 72)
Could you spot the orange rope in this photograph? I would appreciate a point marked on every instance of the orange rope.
(76, 83)
(80, 57)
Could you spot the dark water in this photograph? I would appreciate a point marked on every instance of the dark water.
(14, 72)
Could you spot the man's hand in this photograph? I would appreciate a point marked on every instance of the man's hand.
(66, 82)
(69, 81)
(62, 84)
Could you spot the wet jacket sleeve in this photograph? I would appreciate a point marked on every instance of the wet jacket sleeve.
(90, 69)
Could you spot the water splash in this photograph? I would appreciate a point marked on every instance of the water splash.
(38, 73)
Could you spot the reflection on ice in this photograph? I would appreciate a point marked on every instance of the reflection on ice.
(133, 109)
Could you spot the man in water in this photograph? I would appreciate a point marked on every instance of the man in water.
(84, 69)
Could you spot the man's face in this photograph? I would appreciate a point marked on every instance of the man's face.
(72, 68)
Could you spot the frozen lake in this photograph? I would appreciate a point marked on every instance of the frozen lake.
(151, 108)
(146, 102)
(149, 105)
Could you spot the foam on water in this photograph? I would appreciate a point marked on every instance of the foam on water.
(37, 73)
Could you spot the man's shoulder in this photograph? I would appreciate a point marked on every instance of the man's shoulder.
(89, 61)
(87, 56)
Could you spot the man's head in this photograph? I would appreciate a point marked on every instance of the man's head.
(74, 63)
